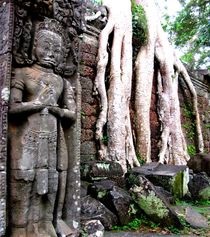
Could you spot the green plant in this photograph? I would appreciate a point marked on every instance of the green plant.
(105, 139)
(207, 125)
(139, 23)
(98, 2)
(83, 114)
(133, 225)
(174, 230)
(191, 149)
(141, 161)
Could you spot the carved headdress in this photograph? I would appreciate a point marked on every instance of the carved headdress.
(56, 27)
(50, 25)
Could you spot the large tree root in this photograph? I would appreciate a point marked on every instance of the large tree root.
(173, 148)
(115, 103)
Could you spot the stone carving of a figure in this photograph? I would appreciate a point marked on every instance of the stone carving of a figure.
(40, 100)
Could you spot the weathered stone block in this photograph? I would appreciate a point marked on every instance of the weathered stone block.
(89, 44)
(87, 71)
(87, 135)
(88, 122)
(195, 219)
(152, 203)
(98, 170)
(86, 83)
(88, 110)
(200, 163)
(93, 228)
(91, 209)
(88, 148)
(173, 178)
(199, 186)
(88, 157)
(87, 97)
(88, 59)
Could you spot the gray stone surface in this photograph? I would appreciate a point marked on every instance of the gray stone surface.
(197, 186)
(152, 203)
(93, 228)
(92, 209)
(195, 219)
(97, 170)
(173, 178)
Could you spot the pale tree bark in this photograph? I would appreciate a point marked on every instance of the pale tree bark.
(173, 148)
(115, 97)
(144, 77)
(115, 102)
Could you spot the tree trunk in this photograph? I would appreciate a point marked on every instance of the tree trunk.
(115, 110)
(173, 148)
(114, 118)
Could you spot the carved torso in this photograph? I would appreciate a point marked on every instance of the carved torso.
(41, 85)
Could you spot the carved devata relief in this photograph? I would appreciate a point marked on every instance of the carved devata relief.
(42, 100)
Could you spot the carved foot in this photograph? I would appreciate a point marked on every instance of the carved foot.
(47, 229)
(42, 229)
(64, 230)
(18, 232)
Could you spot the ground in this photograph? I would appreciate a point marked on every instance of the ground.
(150, 229)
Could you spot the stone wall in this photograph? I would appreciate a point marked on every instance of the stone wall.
(90, 105)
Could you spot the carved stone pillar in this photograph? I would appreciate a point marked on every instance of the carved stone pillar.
(6, 34)
(19, 21)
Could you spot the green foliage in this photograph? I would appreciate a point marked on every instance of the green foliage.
(207, 125)
(190, 128)
(133, 225)
(136, 223)
(152, 205)
(174, 230)
(191, 29)
(139, 22)
(105, 139)
(141, 161)
(98, 2)
(191, 149)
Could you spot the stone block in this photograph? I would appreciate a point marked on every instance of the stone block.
(88, 110)
(91, 209)
(89, 44)
(87, 135)
(199, 186)
(152, 203)
(87, 59)
(173, 178)
(87, 97)
(88, 148)
(88, 122)
(93, 228)
(98, 170)
(87, 71)
(85, 158)
(86, 83)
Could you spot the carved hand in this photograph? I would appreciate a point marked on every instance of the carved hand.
(62, 113)
(23, 107)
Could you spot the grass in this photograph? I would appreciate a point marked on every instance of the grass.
(143, 225)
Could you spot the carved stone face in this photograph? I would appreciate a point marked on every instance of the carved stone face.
(48, 49)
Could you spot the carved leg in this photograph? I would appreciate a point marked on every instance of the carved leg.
(20, 193)
(62, 228)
